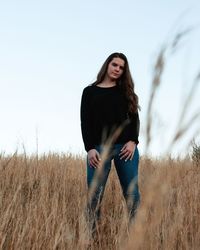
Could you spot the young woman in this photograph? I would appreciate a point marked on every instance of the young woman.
(108, 104)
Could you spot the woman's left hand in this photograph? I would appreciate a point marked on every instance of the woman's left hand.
(127, 151)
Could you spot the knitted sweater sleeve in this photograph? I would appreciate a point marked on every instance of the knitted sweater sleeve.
(135, 125)
(86, 119)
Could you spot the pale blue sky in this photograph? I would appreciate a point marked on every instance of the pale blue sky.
(50, 50)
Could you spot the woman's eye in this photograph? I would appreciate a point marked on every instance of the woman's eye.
(115, 65)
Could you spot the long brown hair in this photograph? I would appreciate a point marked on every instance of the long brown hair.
(125, 82)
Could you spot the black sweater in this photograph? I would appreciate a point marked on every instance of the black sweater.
(102, 111)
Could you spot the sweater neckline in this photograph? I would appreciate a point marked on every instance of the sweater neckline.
(112, 87)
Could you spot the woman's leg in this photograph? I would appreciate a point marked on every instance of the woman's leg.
(128, 175)
(96, 180)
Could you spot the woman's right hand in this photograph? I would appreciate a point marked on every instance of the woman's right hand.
(94, 158)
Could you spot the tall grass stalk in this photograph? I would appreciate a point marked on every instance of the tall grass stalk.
(182, 126)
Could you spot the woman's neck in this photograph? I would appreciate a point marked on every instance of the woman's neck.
(107, 83)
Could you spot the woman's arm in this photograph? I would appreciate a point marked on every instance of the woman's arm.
(86, 119)
(135, 127)
(128, 149)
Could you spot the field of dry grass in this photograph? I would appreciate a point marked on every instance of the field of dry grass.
(42, 201)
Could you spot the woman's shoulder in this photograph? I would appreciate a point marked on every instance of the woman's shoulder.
(88, 90)
(88, 87)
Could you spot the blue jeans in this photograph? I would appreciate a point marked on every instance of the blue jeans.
(128, 176)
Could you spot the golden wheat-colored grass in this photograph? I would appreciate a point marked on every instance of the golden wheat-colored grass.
(42, 201)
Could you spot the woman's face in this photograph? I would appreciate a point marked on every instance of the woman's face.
(115, 68)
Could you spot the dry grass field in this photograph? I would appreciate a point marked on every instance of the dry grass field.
(42, 201)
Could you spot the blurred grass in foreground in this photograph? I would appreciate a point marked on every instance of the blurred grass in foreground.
(42, 201)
